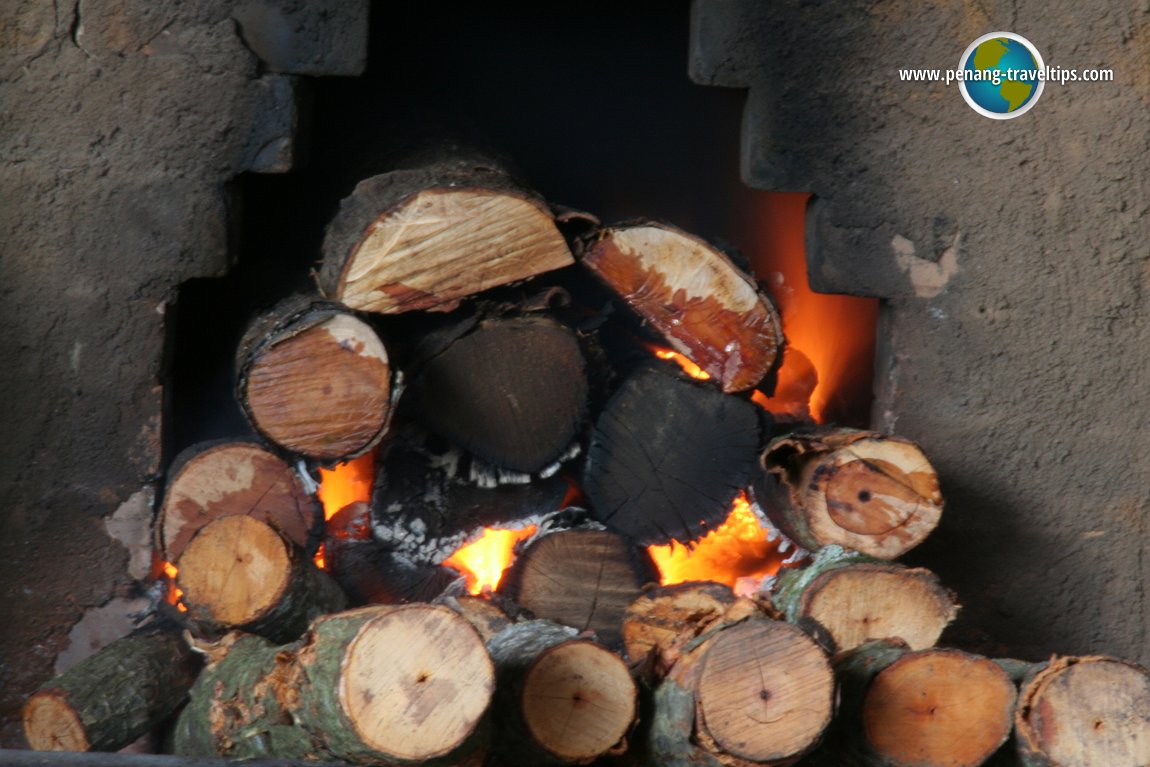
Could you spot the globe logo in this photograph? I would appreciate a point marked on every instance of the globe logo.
(1001, 75)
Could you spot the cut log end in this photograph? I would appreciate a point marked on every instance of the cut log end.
(441, 245)
(864, 491)
(765, 692)
(861, 602)
(702, 304)
(432, 691)
(578, 701)
(1078, 712)
(52, 724)
(235, 571)
(513, 391)
(229, 479)
(938, 707)
(665, 617)
(580, 578)
(324, 392)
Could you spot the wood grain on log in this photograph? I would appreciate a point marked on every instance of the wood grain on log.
(394, 685)
(860, 490)
(425, 239)
(110, 699)
(315, 380)
(663, 619)
(239, 572)
(752, 692)
(512, 391)
(220, 479)
(580, 578)
(668, 456)
(564, 700)
(934, 708)
(1084, 711)
(856, 598)
(702, 304)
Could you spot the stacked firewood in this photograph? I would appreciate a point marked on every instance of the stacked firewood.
(494, 357)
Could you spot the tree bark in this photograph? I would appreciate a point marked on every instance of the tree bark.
(751, 692)
(114, 696)
(703, 305)
(855, 599)
(397, 685)
(668, 456)
(315, 380)
(927, 708)
(580, 578)
(425, 239)
(1081, 711)
(513, 391)
(213, 480)
(861, 490)
(241, 573)
(563, 700)
(660, 622)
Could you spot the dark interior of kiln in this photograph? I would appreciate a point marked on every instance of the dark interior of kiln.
(1012, 332)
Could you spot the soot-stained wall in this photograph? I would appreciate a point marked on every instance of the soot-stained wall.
(1013, 257)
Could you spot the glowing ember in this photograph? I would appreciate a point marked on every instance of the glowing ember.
(346, 483)
(738, 549)
(174, 592)
(484, 561)
(835, 333)
(690, 368)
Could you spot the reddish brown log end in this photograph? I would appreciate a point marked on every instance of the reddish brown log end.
(702, 304)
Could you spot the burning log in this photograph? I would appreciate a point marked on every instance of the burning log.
(513, 391)
(927, 707)
(749, 692)
(668, 457)
(1084, 711)
(580, 578)
(222, 479)
(114, 696)
(563, 700)
(315, 380)
(397, 685)
(703, 305)
(239, 572)
(855, 598)
(860, 490)
(424, 239)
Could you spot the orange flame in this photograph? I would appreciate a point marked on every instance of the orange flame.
(346, 483)
(835, 333)
(738, 552)
(174, 593)
(484, 561)
(690, 368)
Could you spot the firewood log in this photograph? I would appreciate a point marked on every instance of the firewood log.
(929, 708)
(315, 380)
(861, 490)
(239, 572)
(394, 685)
(855, 598)
(221, 479)
(580, 578)
(704, 306)
(111, 698)
(485, 615)
(1081, 711)
(668, 456)
(749, 692)
(424, 239)
(562, 699)
(664, 618)
(512, 391)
